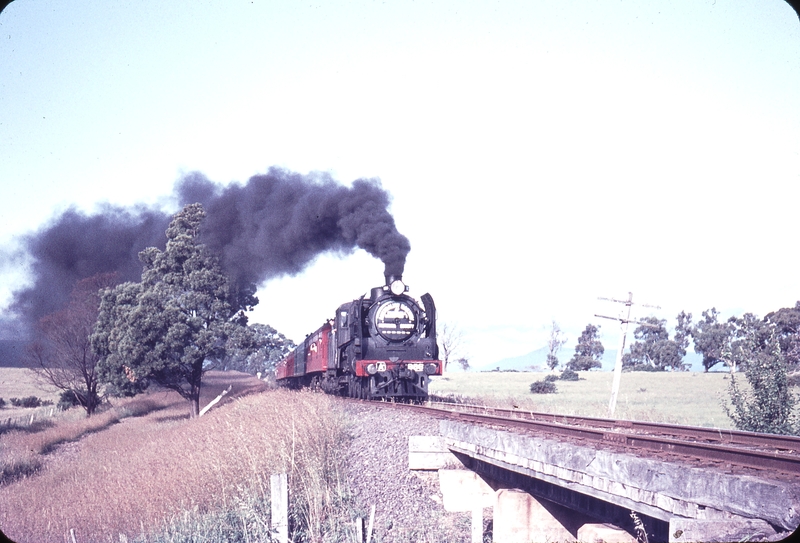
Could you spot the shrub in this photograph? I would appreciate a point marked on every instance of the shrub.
(543, 387)
(67, 399)
(569, 375)
(18, 464)
(2, 403)
(642, 367)
(550, 378)
(29, 401)
(769, 405)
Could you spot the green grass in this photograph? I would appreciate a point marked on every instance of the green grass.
(682, 398)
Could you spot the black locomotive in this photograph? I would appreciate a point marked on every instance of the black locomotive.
(381, 346)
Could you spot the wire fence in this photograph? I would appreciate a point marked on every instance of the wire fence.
(27, 419)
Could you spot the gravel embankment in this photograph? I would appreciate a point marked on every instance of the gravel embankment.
(408, 504)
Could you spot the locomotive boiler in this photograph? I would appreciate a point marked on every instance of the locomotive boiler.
(379, 346)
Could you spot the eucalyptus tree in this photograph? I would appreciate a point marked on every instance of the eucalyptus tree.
(254, 349)
(786, 324)
(555, 341)
(653, 349)
(711, 337)
(588, 351)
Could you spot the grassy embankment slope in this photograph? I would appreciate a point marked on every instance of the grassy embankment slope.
(143, 471)
(682, 398)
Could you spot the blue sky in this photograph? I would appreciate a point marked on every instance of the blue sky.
(539, 154)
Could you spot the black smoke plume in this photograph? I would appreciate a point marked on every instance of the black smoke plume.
(75, 246)
(275, 224)
(279, 222)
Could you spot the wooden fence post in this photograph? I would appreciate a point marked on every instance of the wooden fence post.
(371, 524)
(360, 530)
(279, 496)
(477, 525)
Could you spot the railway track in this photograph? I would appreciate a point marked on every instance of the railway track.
(749, 449)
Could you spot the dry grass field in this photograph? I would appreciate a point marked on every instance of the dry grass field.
(682, 398)
(143, 471)
(21, 383)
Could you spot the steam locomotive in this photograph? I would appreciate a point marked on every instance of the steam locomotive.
(378, 347)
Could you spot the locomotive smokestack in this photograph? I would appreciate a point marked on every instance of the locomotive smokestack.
(395, 284)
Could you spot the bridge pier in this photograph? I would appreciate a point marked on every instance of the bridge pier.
(518, 515)
(521, 518)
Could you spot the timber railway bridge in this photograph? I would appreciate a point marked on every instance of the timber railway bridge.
(562, 478)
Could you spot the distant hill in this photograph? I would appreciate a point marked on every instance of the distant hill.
(537, 361)
(11, 353)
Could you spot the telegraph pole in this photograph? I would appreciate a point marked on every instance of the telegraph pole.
(623, 322)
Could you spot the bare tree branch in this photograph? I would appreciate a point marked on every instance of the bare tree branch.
(450, 341)
(62, 351)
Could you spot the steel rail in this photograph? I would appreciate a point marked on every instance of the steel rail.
(772, 442)
(758, 459)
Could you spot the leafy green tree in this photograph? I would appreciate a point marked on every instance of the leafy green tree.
(589, 350)
(654, 349)
(769, 404)
(786, 322)
(62, 350)
(745, 332)
(111, 340)
(254, 349)
(683, 330)
(172, 326)
(710, 338)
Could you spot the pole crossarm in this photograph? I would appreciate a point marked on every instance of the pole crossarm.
(626, 321)
(629, 301)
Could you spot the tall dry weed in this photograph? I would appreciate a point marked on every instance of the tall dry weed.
(22, 448)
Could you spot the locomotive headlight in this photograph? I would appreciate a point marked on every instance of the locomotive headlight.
(430, 368)
(372, 369)
(397, 287)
